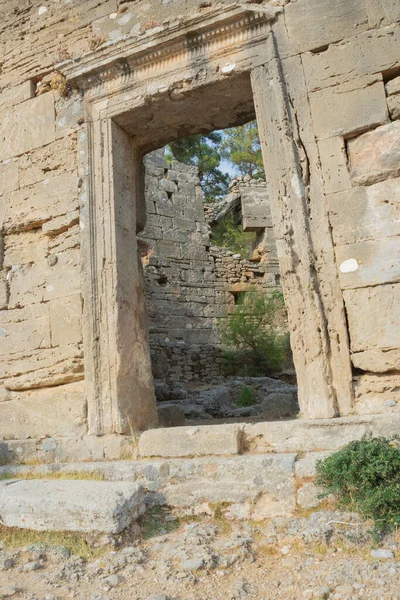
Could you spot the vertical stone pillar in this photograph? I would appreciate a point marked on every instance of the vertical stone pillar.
(318, 331)
(118, 369)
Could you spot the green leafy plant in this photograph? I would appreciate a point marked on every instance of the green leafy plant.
(250, 336)
(232, 237)
(365, 476)
(247, 397)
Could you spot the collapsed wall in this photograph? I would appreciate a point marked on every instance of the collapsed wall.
(190, 283)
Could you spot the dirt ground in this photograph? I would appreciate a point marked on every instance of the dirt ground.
(323, 555)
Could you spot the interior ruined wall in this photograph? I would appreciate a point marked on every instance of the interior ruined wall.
(190, 283)
(348, 52)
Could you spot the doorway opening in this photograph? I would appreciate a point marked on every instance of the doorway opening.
(211, 267)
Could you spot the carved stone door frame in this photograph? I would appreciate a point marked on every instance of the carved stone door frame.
(119, 82)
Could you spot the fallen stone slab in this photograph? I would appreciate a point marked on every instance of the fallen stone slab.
(67, 505)
(191, 441)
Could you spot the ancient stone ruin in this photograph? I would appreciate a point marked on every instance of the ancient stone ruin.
(108, 278)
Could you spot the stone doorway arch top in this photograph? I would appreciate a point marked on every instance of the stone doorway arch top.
(206, 74)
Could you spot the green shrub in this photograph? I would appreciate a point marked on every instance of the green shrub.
(247, 397)
(253, 346)
(232, 237)
(365, 476)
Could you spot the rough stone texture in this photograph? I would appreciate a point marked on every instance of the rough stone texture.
(377, 393)
(70, 505)
(374, 317)
(191, 441)
(307, 495)
(375, 155)
(65, 240)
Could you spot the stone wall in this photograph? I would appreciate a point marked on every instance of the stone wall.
(341, 57)
(191, 284)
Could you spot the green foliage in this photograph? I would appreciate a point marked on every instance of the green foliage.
(241, 146)
(247, 397)
(250, 335)
(202, 151)
(365, 476)
(230, 236)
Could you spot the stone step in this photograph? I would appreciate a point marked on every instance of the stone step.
(249, 486)
(293, 435)
(69, 505)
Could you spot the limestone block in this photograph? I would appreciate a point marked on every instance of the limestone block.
(375, 155)
(27, 126)
(317, 435)
(359, 56)
(306, 467)
(312, 24)
(374, 317)
(377, 361)
(61, 224)
(68, 240)
(65, 320)
(46, 505)
(365, 213)
(378, 262)
(383, 12)
(348, 108)
(256, 212)
(394, 106)
(68, 112)
(59, 411)
(30, 207)
(24, 247)
(191, 441)
(377, 393)
(42, 281)
(334, 165)
(8, 176)
(59, 157)
(42, 368)
(307, 495)
(257, 486)
(24, 329)
(17, 94)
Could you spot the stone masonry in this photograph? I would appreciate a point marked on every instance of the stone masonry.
(86, 90)
(191, 284)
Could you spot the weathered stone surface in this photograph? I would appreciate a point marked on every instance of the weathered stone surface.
(334, 165)
(378, 263)
(42, 368)
(56, 158)
(17, 94)
(30, 207)
(365, 213)
(348, 108)
(24, 247)
(61, 224)
(171, 415)
(318, 435)
(65, 320)
(312, 24)
(191, 441)
(8, 176)
(394, 106)
(3, 292)
(46, 505)
(374, 317)
(382, 13)
(27, 126)
(306, 466)
(24, 329)
(375, 155)
(378, 361)
(42, 281)
(359, 56)
(68, 112)
(377, 393)
(307, 495)
(45, 412)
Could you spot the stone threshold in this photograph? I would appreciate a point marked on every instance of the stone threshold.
(291, 436)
